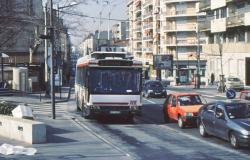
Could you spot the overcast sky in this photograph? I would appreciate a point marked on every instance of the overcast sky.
(81, 26)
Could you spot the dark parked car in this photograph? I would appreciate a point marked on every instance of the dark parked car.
(227, 120)
(153, 89)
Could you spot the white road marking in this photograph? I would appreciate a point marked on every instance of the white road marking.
(81, 125)
(149, 101)
(220, 96)
(209, 96)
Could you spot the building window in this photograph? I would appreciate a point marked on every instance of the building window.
(248, 36)
(211, 39)
(223, 12)
(230, 37)
(240, 5)
(216, 14)
(241, 36)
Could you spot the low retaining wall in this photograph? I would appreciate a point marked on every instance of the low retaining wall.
(25, 130)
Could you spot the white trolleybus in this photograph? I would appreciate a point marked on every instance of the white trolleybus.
(108, 83)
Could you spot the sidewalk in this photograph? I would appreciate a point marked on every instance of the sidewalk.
(66, 138)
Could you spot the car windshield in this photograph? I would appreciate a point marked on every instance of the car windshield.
(234, 79)
(239, 110)
(165, 83)
(115, 81)
(155, 85)
(191, 100)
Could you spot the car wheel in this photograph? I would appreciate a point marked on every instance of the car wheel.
(180, 122)
(234, 140)
(202, 130)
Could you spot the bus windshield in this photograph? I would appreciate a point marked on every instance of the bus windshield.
(115, 81)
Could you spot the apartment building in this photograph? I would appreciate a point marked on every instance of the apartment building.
(144, 30)
(167, 27)
(180, 37)
(228, 38)
(119, 31)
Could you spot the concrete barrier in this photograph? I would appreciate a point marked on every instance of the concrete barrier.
(25, 130)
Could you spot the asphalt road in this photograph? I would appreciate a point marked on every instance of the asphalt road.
(71, 137)
(150, 138)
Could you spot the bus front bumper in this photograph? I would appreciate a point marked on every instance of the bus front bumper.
(116, 110)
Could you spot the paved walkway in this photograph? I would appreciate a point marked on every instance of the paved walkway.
(67, 139)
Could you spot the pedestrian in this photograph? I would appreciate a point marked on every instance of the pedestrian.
(212, 79)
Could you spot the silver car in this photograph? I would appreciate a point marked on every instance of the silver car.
(234, 83)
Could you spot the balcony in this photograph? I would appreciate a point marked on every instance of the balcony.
(178, 1)
(205, 26)
(148, 49)
(158, 30)
(204, 5)
(182, 42)
(148, 26)
(157, 3)
(137, 9)
(147, 3)
(148, 38)
(234, 21)
(180, 28)
(234, 48)
(138, 49)
(218, 25)
(138, 29)
(181, 13)
(138, 39)
(215, 4)
(138, 19)
(158, 17)
(148, 15)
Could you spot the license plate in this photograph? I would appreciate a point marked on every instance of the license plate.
(157, 93)
(114, 112)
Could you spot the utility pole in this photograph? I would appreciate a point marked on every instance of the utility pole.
(46, 51)
(222, 88)
(52, 77)
(177, 56)
(198, 56)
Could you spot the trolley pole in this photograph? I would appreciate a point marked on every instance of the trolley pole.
(52, 78)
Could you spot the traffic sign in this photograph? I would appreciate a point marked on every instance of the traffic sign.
(231, 94)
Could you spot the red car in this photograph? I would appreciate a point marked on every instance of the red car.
(183, 108)
(245, 95)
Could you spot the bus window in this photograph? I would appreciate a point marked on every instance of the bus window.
(115, 81)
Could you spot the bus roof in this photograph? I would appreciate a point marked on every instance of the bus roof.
(95, 57)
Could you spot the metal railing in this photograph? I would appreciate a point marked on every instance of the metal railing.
(237, 20)
(148, 38)
(148, 14)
